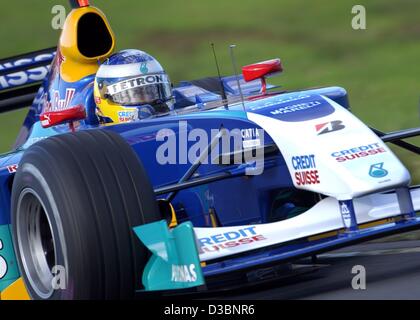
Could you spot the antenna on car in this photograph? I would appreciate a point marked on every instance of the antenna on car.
(222, 87)
(235, 70)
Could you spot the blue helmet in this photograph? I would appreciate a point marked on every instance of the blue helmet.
(133, 83)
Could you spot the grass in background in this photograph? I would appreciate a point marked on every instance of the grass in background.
(315, 41)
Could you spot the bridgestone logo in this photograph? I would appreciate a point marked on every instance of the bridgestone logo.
(137, 82)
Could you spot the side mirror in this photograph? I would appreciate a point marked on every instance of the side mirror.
(260, 70)
(53, 118)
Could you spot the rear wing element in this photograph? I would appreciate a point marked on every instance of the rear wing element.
(175, 263)
(21, 77)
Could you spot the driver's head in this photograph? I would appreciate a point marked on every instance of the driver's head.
(132, 85)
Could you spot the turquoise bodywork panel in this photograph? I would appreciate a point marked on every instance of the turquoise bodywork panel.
(8, 266)
(175, 263)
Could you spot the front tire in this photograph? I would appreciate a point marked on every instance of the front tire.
(75, 199)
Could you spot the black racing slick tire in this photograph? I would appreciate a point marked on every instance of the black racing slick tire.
(75, 199)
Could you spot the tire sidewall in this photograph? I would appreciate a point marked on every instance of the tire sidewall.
(36, 181)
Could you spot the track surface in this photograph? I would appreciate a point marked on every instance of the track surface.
(392, 272)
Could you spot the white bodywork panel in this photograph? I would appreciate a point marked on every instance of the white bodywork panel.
(323, 217)
(341, 180)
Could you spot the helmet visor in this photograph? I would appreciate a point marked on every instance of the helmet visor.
(140, 90)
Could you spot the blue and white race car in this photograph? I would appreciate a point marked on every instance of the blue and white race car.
(240, 175)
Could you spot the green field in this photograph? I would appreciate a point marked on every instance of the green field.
(378, 66)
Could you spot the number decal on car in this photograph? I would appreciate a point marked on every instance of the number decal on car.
(3, 263)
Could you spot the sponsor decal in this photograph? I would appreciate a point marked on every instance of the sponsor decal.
(184, 273)
(127, 116)
(293, 109)
(56, 103)
(328, 127)
(229, 239)
(137, 82)
(98, 100)
(13, 168)
(377, 171)
(306, 172)
(46, 120)
(251, 137)
(144, 68)
(345, 213)
(358, 152)
(3, 263)
(251, 133)
(23, 77)
(246, 144)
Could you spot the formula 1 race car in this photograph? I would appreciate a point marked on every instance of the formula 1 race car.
(239, 176)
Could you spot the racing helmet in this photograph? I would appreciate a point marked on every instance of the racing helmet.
(132, 85)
